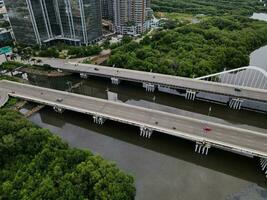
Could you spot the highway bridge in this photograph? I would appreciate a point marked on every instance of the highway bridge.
(204, 133)
(237, 94)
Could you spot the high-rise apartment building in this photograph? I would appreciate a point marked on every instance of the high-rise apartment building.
(42, 21)
(107, 9)
(130, 16)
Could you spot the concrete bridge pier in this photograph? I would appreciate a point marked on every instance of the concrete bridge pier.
(263, 163)
(99, 120)
(190, 95)
(149, 87)
(115, 81)
(202, 148)
(58, 109)
(236, 103)
(146, 132)
(84, 75)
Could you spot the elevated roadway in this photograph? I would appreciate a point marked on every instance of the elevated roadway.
(156, 79)
(222, 136)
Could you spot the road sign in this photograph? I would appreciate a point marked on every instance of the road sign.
(5, 50)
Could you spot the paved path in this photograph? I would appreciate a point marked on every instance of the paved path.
(3, 97)
(160, 79)
(229, 137)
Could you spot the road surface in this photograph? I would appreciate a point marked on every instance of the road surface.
(160, 79)
(231, 138)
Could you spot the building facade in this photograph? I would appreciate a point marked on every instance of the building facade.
(73, 21)
(5, 35)
(130, 16)
(107, 9)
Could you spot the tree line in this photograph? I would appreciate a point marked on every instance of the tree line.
(35, 164)
(192, 50)
(214, 7)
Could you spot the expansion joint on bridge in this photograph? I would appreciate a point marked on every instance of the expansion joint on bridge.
(98, 119)
(236, 103)
(149, 87)
(190, 95)
(83, 75)
(58, 109)
(263, 162)
(115, 81)
(145, 132)
(202, 147)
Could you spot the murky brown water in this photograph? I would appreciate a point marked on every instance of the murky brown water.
(164, 167)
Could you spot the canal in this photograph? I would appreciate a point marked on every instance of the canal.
(164, 167)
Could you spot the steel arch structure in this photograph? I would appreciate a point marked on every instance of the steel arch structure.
(250, 76)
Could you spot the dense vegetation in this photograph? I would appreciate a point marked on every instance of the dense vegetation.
(209, 7)
(12, 65)
(57, 51)
(64, 51)
(195, 49)
(35, 164)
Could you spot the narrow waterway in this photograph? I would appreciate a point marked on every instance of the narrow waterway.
(164, 167)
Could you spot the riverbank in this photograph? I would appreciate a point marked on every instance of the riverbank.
(39, 70)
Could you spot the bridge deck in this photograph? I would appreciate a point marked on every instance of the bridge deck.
(221, 135)
(161, 79)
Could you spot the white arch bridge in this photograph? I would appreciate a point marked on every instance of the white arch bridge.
(250, 77)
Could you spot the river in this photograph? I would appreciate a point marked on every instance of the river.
(164, 167)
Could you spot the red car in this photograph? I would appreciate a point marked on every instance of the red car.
(207, 129)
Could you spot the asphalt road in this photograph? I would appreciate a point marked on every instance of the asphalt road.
(222, 135)
(160, 79)
(3, 97)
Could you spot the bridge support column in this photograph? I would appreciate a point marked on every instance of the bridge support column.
(263, 163)
(190, 95)
(58, 109)
(145, 132)
(149, 87)
(236, 103)
(115, 81)
(99, 120)
(84, 75)
(202, 148)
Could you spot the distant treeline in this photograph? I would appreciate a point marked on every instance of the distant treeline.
(214, 7)
(210, 46)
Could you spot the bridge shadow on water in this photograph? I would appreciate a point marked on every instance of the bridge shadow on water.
(218, 160)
